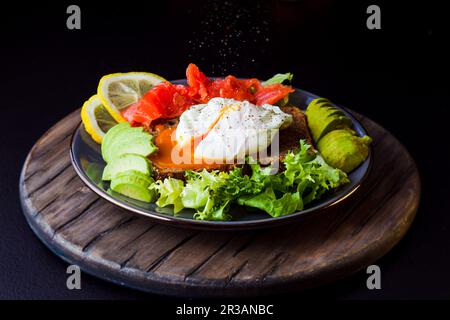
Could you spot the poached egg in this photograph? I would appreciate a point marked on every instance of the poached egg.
(225, 130)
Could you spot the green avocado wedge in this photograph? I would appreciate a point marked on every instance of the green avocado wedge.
(343, 149)
(111, 135)
(123, 139)
(323, 118)
(133, 184)
(126, 162)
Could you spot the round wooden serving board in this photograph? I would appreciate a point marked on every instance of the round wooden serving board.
(131, 250)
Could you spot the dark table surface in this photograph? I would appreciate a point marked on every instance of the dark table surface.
(397, 76)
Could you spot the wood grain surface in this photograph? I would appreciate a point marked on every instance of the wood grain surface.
(130, 250)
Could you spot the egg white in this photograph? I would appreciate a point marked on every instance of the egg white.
(227, 129)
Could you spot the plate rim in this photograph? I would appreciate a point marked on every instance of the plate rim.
(223, 225)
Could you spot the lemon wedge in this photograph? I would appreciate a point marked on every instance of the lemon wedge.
(118, 91)
(96, 119)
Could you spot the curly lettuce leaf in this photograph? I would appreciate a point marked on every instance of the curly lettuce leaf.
(223, 194)
(278, 78)
(308, 172)
(214, 211)
(169, 192)
(199, 186)
(268, 202)
(265, 176)
(239, 184)
(306, 177)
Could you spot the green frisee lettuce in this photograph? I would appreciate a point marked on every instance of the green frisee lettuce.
(169, 192)
(306, 177)
(278, 78)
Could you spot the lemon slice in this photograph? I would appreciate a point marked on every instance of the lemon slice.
(96, 119)
(118, 91)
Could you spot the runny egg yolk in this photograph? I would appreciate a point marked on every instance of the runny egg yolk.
(171, 155)
(168, 149)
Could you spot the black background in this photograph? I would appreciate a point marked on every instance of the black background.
(398, 76)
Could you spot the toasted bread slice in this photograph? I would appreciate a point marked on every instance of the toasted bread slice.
(288, 141)
(289, 138)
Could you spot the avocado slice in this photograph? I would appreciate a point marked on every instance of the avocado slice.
(126, 162)
(322, 100)
(133, 184)
(323, 118)
(343, 149)
(140, 144)
(127, 140)
(111, 134)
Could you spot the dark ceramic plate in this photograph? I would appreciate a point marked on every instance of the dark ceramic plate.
(88, 163)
